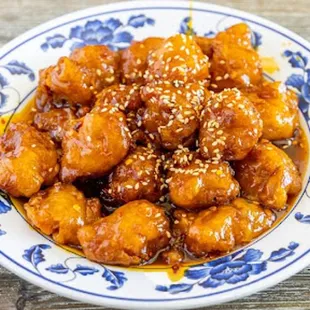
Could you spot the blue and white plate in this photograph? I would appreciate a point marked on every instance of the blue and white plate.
(274, 257)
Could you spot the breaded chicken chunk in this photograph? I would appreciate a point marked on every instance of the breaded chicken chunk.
(137, 177)
(28, 160)
(170, 117)
(179, 60)
(53, 122)
(60, 211)
(125, 97)
(75, 80)
(230, 126)
(202, 184)
(94, 144)
(234, 61)
(268, 176)
(278, 108)
(134, 59)
(132, 235)
(220, 229)
(205, 44)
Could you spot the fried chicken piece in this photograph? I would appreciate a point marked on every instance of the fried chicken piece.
(179, 60)
(278, 108)
(171, 114)
(99, 63)
(53, 122)
(28, 160)
(60, 211)
(75, 80)
(253, 220)
(137, 177)
(125, 97)
(202, 184)
(132, 235)
(234, 61)
(134, 59)
(205, 44)
(94, 144)
(230, 126)
(220, 229)
(268, 176)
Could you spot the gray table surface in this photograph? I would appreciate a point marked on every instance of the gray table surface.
(17, 16)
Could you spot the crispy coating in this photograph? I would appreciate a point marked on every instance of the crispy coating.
(132, 235)
(268, 175)
(99, 63)
(278, 108)
(253, 220)
(234, 62)
(28, 160)
(202, 184)
(53, 122)
(134, 59)
(137, 177)
(125, 97)
(172, 114)
(230, 126)
(60, 211)
(94, 144)
(178, 60)
(75, 80)
(220, 229)
(63, 85)
(205, 44)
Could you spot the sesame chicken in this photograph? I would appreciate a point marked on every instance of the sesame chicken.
(28, 160)
(133, 62)
(171, 115)
(230, 126)
(234, 62)
(76, 79)
(201, 184)
(132, 235)
(53, 122)
(268, 176)
(220, 229)
(60, 211)
(278, 108)
(137, 177)
(94, 144)
(179, 60)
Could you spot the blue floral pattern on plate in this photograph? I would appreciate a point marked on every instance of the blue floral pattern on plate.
(300, 81)
(230, 269)
(14, 67)
(111, 32)
(35, 256)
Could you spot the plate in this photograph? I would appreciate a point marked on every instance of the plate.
(272, 258)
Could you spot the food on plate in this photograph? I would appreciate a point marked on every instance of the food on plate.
(132, 235)
(169, 151)
(28, 160)
(45, 210)
(268, 175)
